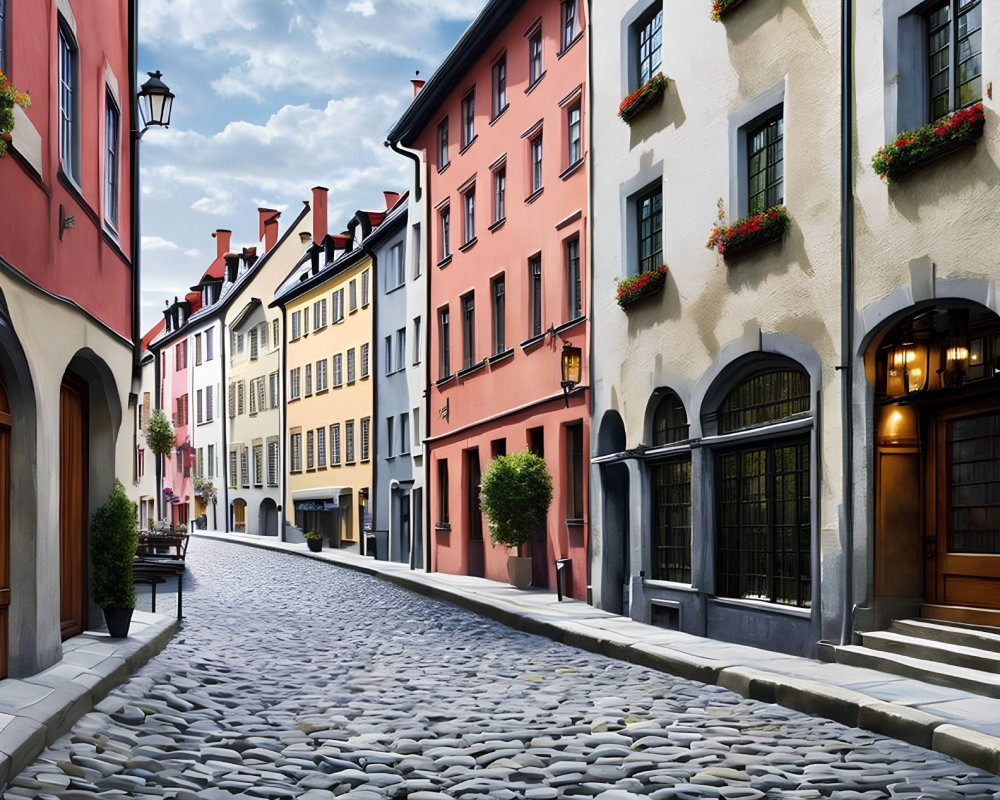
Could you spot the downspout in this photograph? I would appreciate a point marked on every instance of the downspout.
(394, 146)
(157, 377)
(374, 433)
(133, 25)
(284, 424)
(847, 311)
(590, 285)
(224, 392)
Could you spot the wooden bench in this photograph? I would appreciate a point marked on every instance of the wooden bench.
(159, 556)
(158, 545)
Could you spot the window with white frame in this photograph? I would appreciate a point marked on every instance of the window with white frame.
(535, 67)
(570, 23)
(468, 118)
(500, 194)
(338, 369)
(349, 441)
(244, 467)
(416, 340)
(574, 129)
(468, 330)
(211, 461)
(296, 325)
(352, 295)
(335, 445)
(365, 288)
(309, 381)
(400, 349)
(364, 360)
(338, 305)
(573, 278)
(295, 383)
(112, 158)
(647, 44)
(404, 433)
(444, 218)
(319, 314)
(69, 103)
(366, 425)
(321, 448)
(274, 390)
(536, 163)
(310, 450)
(469, 206)
(272, 462)
(258, 465)
(351, 366)
(500, 85)
(321, 377)
(442, 144)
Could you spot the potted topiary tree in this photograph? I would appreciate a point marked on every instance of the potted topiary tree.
(516, 495)
(160, 437)
(113, 539)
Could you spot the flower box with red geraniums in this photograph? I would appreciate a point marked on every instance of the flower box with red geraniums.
(750, 232)
(635, 287)
(642, 98)
(913, 149)
(9, 97)
(720, 7)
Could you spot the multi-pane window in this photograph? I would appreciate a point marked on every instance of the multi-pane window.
(364, 360)
(309, 380)
(445, 216)
(319, 314)
(499, 194)
(254, 348)
(468, 330)
(669, 421)
(535, 294)
(352, 295)
(321, 448)
(338, 369)
(400, 348)
(535, 57)
(442, 138)
(444, 341)
(469, 204)
(365, 288)
(209, 344)
(321, 375)
(649, 213)
(233, 467)
(335, 445)
(199, 415)
(310, 450)
(671, 545)
(442, 493)
(261, 398)
(68, 90)
(366, 425)
(240, 397)
(404, 433)
(955, 55)
(765, 398)
(272, 463)
(296, 325)
(388, 355)
(395, 274)
(273, 387)
(574, 130)
(574, 288)
(650, 44)
(258, 465)
(111, 158)
(209, 410)
(295, 452)
(469, 118)
(244, 467)
(536, 164)
(349, 441)
(390, 432)
(765, 166)
(351, 365)
(294, 383)
(569, 23)
(338, 305)
(500, 85)
(499, 316)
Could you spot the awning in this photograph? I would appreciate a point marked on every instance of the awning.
(322, 498)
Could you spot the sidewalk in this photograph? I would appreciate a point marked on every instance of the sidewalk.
(37, 710)
(949, 721)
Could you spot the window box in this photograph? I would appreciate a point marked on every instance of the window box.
(722, 7)
(642, 98)
(635, 287)
(9, 96)
(749, 233)
(913, 149)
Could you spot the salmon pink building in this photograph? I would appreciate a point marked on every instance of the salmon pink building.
(500, 126)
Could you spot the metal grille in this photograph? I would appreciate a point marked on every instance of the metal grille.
(974, 484)
(764, 537)
(669, 421)
(766, 166)
(765, 398)
(672, 521)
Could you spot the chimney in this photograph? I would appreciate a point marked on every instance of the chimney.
(221, 237)
(267, 227)
(232, 266)
(319, 214)
(390, 199)
(417, 85)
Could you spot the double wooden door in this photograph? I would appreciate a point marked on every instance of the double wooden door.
(73, 458)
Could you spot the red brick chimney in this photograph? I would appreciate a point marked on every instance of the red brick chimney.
(319, 214)
(390, 199)
(221, 237)
(267, 227)
(417, 85)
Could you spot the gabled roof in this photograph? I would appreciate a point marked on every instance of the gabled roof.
(152, 333)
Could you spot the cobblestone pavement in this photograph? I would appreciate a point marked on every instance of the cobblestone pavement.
(294, 679)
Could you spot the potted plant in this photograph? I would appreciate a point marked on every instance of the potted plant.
(720, 7)
(9, 97)
(314, 539)
(748, 233)
(642, 98)
(113, 539)
(516, 495)
(635, 287)
(912, 149)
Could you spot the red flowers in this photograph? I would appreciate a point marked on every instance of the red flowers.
(746, 232)
(642, 285)
(641, 97)
(9, 97)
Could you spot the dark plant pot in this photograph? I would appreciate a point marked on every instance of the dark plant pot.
(315, 544)
(118, 620)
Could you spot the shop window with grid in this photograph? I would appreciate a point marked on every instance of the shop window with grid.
(765, 165)
(671, 495)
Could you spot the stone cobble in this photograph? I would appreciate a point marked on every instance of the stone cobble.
(294, 679)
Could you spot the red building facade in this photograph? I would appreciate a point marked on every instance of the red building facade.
(501, 129)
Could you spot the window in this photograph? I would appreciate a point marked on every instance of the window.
(338, 369)
(445, 233)
(338, 305)
(254, 349)
(569, 23)
(535, 294)
(468, 330)
(351, 369)
(365, 289)
(335, 445)
(258, 465)
(649, 43)
(415, 244)
(321, 375)
(442, 476)
(319, 314)
(469, 204)
(575, 133)
(209, 344)
(671, 483)
(309, 380)
(364, 360)
(575, 293)
(670, 423)
(389, 433)
(233, 468)
(240, 397)
(649, 224)
(955, 55)
(209, 410)
(442, 139)
(294, 383)
(349, 441)
(273, 386)
(575, 458)
(500, 195)
(321, 448)
(260, 394)
(366, 425)
(263, 335)
(296, 325)
(400, 348)
(310, 450)
(275, 339)
(111, 157)
(536, 164)
(272, 462)
(500, 86)
(499, 316)
(197, 349)
(388, 355)
(69, 144)
(416, 340)
(295, 452)
(140, 453)
(444, 337)
(211, 461)
(404, 433)
(199, 464)
(535, 58)
(237, 340)
(352, 295)
(765, 166)
(232, 399)
(244, 467)
(468, 119)
(181, 355)
(3, 40)
(763, 504)
(199, 415)
(395, 268)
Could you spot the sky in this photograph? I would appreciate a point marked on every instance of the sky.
(274, 97)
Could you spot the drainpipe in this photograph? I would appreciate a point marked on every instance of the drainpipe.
(157, 377)
(590, 284)
(847, 310)
(376, 417)
(282, 517)
(133, 24)
(394, 146)
(224, 392)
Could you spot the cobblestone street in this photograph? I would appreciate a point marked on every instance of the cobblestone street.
(295, 679)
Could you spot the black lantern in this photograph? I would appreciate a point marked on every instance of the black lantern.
(570, 363)
(155, 102)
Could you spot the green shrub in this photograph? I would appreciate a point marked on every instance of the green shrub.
(113, 539)
(160, 434)
(516, 495)
(313, 535)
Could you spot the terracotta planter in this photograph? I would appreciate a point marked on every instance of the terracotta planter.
(118, 621)
(519, 571)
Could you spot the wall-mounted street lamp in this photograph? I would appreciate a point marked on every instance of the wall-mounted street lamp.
(570, 363)
(155, 103)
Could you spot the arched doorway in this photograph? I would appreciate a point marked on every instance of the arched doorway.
(73, 462)
(6, 423)
(936, 379)
(617, 561)
(267, 518)
(240, 515)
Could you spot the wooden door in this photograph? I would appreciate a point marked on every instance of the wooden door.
(73, 457)
(965, 498)
(5, 426)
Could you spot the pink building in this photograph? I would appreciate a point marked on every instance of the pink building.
(501, 129)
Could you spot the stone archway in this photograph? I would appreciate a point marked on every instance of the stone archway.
(616, 565)
(267, 518)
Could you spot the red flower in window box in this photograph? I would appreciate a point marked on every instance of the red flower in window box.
(636, 287)
(913, 149)
(749, 232)
(720, 7)
(9, 97)
(642, 97)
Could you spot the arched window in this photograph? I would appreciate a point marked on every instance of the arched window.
(671, 494)
(764, 534)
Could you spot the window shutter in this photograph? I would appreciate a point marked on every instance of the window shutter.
(232, 400)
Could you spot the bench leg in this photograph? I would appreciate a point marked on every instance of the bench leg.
(180, 595)
(153, 584)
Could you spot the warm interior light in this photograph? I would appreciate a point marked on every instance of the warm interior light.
(958, 353)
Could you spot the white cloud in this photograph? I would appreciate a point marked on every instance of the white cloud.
(158, 243)
(365, 8)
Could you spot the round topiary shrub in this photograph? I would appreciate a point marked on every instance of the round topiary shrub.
(516, 495)
(113, 539)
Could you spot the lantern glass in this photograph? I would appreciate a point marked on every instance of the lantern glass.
(156, 101)
(570, 364)
(906, 368)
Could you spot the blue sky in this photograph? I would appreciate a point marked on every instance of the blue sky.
(274, 97)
